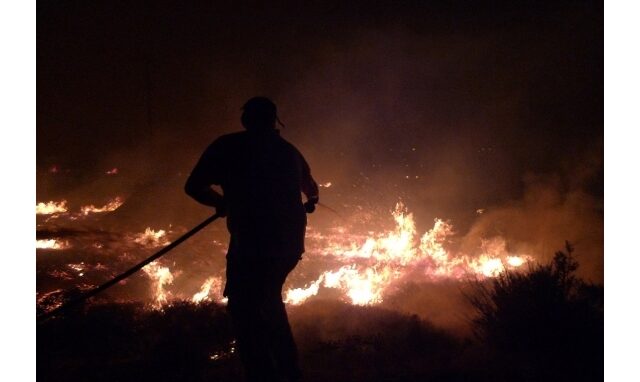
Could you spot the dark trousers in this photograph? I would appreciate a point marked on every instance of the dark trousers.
(265, 343)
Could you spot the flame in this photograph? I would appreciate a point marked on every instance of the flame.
(374, 263)
(109, 207)
(57, 208)
(51, 208)
(52, 244)
(113, 171)
(151, 239)
(362, 287)
(367, 266)
(297, 296)
(487, 266)
(160, 277)
(495, 258)
(515, 261)
(211, 286)
(325, 185)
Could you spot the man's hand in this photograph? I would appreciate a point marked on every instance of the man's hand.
(221, 210)
(310, 205)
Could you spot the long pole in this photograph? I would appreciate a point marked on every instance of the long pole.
(128, 273)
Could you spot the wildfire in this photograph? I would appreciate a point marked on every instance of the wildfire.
(487, 266)
(160, 276)
(515, 261)
(109, 207)
(52, 244)
(51, 208)
(151, 239)
(373, 264)
(212, 286)
(367, 267)
(55, 209)
(297, 296)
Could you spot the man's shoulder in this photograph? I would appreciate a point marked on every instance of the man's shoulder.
(237, 140)
(285, 143)
(227, 140)
(231, 137)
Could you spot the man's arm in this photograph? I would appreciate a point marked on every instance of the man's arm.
(308, 185)
(205, 174)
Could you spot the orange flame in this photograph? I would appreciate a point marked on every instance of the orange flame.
(160, 277)
(52, 244)
(211, 287)
(51, 208)
(375, 263)
(151, 239)
(109, 207)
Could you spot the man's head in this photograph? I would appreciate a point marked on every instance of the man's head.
(259, 113)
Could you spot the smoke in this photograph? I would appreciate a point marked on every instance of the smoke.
(543, 220)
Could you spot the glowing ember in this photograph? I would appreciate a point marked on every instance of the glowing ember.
(212, 286)
(224, 354)
(109, 207)
(151, 239)
(52, 244)
(374, 263)
(160, 277)
(50, 300)
(51, 208)
(79, 268)
(58, 274)
(113, 171)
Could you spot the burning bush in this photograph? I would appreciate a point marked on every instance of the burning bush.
(544, 324)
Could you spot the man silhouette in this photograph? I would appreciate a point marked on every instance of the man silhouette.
(262, 177)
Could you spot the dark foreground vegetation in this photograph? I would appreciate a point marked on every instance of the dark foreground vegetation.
(542, 325)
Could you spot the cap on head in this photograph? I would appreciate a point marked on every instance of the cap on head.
(259, 113)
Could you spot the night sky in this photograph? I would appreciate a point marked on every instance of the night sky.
(450, 106)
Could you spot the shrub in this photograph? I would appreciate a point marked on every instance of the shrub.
(542, 324)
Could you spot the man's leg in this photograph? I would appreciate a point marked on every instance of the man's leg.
(281, 339)
(284, 347)
(253, 345)
(246, 300)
